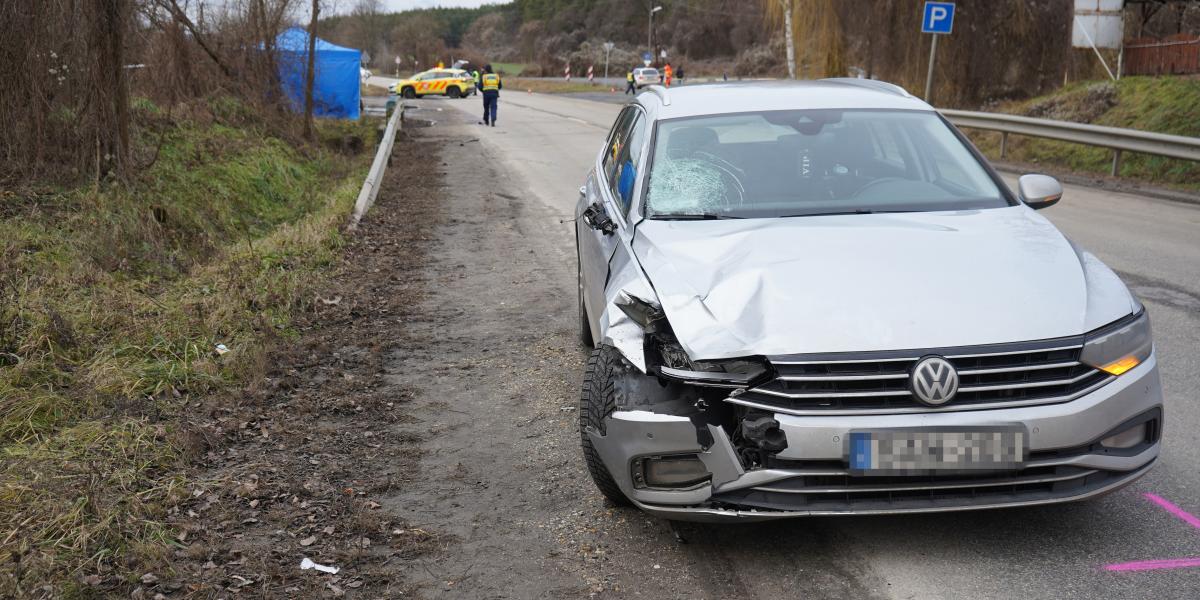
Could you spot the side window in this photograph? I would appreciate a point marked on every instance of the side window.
(628, 156)
(616, 141)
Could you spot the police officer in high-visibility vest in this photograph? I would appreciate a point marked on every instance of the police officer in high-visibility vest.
(629, 87)
(490, 85)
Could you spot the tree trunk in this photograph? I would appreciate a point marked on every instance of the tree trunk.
(311, 71)
(790, 36)
(110, 104)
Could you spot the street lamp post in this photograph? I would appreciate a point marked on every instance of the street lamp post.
(650, 30)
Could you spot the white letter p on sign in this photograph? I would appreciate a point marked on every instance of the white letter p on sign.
(936, 15)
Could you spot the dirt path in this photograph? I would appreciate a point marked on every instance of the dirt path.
(298, 464)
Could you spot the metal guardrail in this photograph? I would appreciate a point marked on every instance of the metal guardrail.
(1115, 138)
(370, 188)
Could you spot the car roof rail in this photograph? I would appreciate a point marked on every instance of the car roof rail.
(661, 92)
(874, 84)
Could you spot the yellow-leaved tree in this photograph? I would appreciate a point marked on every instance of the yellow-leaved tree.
(816, 24)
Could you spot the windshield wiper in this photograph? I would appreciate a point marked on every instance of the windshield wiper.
(857, 211)
(692, 217)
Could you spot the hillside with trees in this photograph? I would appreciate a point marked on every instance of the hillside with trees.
(1000, 49)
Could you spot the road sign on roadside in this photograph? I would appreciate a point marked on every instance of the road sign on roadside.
(939, 18)
(647, 58)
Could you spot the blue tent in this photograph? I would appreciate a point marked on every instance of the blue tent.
(335, 88)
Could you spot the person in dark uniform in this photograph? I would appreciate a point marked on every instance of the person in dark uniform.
(490, 85)
(629, 87)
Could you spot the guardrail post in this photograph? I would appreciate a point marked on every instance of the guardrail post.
(1003, 144)
(1116, 165)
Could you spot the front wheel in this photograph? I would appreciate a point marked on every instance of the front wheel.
(454, 92)
(597, 401)
(409, 93)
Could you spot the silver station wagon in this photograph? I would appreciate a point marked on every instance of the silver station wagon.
(818, 298)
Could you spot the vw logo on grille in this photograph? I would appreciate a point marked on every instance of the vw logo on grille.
(934, 381)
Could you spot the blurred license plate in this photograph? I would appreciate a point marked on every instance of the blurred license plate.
(916, 451)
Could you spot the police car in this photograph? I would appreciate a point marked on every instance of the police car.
(455, 83)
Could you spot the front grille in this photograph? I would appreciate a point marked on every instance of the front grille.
(1047, 475)
(842, 492)
(989, 377)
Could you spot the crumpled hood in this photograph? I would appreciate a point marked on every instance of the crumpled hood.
(859, 283)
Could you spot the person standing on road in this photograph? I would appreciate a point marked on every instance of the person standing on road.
(490, 85)
(667, 72)
(679, 74)
(629, 87)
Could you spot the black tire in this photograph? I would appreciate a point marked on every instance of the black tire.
(453, 92)
(409, 93)
(597, 401)
(585, 328)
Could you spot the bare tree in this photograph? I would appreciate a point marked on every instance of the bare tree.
(782, 12)
(110, 106)
(816, 22)
(368, 24)
(310, 70)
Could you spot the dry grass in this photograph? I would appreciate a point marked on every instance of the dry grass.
(110, 313)
(1160, 104)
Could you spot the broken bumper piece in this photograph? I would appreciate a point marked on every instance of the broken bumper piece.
(705, 480)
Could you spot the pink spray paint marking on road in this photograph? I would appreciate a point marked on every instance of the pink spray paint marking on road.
(1166, 563)
(1183, 515)
(1150, 565)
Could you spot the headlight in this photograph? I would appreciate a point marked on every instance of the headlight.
(1118, 349)
(733, 372)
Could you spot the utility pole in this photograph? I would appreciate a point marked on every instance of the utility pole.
(650, 32)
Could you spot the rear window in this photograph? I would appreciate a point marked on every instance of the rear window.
(812, 162)
(649, 72)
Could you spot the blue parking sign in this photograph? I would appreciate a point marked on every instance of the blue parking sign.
(939, 17)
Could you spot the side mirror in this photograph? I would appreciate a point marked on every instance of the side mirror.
(597, 218)
(1039, 191)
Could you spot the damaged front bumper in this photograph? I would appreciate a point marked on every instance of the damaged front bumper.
(811, 477)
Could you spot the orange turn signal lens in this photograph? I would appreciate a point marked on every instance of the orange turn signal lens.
(1121, 365)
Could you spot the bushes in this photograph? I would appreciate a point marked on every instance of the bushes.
(111, 306)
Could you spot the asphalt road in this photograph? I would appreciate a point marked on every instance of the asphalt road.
(548, 143)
